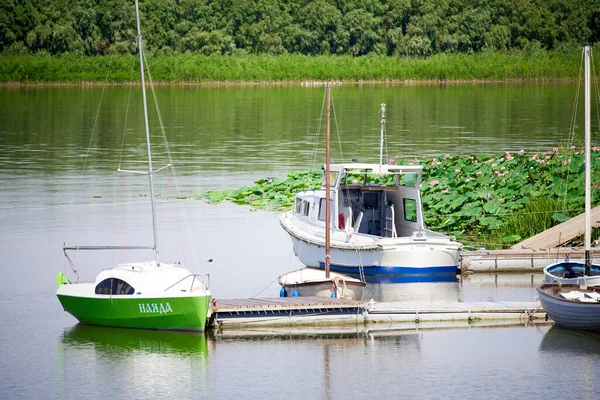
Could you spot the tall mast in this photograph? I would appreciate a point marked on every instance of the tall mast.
(140, 47)
(327, 188)
(587, 49)
(381, 138)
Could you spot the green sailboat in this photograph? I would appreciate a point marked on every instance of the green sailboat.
(148, 294)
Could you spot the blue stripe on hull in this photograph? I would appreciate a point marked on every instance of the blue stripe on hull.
(395, 271)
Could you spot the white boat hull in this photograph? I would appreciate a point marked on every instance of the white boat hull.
(377, 256)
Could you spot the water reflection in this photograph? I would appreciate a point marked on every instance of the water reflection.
(572, 341)
(430, 289)
(469, 288)
(119, 342)
(353, 333)
(411, 278)
(500, 287)
(258, 128)
(573, 356)
(98, 362)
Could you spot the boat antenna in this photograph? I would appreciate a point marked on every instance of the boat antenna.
(327, 185)
(140, 47)
(587, 50)
(381, 138)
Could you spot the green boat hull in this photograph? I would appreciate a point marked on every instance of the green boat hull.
(173, 313)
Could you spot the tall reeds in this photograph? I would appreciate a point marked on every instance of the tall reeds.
(195, 68)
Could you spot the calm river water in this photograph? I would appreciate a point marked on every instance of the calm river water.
(59, 152)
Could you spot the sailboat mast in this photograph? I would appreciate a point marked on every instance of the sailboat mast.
(151, 182)
(327, 187)
(382, 131)
(587, 49)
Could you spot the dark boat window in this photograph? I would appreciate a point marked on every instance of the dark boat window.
(370, 200)
(114, 286)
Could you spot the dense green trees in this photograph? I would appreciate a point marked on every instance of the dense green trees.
(349, 27)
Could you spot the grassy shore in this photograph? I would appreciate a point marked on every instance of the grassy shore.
(198, 69)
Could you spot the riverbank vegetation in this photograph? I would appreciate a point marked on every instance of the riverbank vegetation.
(294, 40)
(187, 68)
(494, 201)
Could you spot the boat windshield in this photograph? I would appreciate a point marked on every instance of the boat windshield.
(113, 286)
(409, 179)
(333, 175)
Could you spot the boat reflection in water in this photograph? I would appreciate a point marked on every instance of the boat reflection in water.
(439, 288)
(135, 342)
(424, 288)
(571, 341)
(136, 363)
(500, 287)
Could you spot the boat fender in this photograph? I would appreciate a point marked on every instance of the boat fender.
(295, 294)
(333, 295)
(341, 221)
(282, 292)
(61, 279)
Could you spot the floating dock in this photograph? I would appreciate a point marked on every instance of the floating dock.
(524, 260)
(286, 311)
(452, 311)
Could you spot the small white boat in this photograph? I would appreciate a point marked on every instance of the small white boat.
(571, 306)
(313, 282)
(139, 295)
(151, 294)
(316, 282)
(377, 221)
(581, 273)
(572, 272)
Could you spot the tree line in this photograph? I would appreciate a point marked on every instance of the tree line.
(416, 28)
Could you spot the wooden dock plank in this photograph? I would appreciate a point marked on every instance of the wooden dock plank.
(283, 302)
(560, 233)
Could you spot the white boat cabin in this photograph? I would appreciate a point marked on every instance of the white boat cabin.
(368, 199)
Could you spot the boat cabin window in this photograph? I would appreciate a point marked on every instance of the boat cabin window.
(410, 210)
(323, 209)
(297, 205)
(333, 175)
(408, 179)
(114, 286)
(305, 207)
(301, 206)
